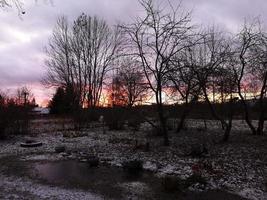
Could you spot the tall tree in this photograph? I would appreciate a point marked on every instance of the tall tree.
(210, 62)
(183, 82)
(258, 75)
(157, 37)
(80, 57)
(247, 39)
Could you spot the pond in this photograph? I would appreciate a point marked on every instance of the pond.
(109, 182)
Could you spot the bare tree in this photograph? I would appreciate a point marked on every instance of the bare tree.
(24, 96)
(59, 55)
(158, 36)
(182, 80)
(99, 47)
(247, 39)
(131, 82)
(259, 76)
(210, 57)
(60, 69)
(80, 58)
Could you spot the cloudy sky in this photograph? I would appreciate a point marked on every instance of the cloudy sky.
(22, 39)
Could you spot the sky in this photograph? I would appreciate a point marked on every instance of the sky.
(23, 38)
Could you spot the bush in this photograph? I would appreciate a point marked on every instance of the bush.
(14, 120)
(93, 114)
(114, 118)
(134, 123)
(3, 122)
(18, 119)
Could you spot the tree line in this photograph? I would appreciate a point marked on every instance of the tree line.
(160, 52)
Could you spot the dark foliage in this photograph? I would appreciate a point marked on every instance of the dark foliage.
(115, 118)
(64, 101)
(14, 119)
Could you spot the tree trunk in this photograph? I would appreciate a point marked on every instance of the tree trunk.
(227, 131)
(262, 107)
(182, 121)
(243, 100)
(261, 123)
(247, 117)
(163, 125)
(261, 119)
(227, 126)
(188, 106)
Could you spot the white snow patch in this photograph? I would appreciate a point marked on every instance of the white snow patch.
(169, 169)
(50, 157)
(150, 166)
(12, 185)
(135, 187)
(253, 194)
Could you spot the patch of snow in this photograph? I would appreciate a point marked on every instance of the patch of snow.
(136, 187)
(169, 169)
(253, 194)
(50, 157)
(10, 185)
(233, 167)
(150, 166)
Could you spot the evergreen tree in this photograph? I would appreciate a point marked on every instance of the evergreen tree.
(58, 103)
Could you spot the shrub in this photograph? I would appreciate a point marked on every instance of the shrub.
(18, 118)
(14, 120)
(3, 122)
(134, 123)
(114, 118)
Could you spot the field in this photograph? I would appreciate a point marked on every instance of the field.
(235, 170)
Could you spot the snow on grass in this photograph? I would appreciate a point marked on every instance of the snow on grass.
(238, 166)
(17, 186)
(135, 187)
(253, 194)
(150, 166)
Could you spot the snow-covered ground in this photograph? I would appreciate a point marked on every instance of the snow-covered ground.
(23, 188)
(239, 166)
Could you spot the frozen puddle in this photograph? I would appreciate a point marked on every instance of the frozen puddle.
(104, 181)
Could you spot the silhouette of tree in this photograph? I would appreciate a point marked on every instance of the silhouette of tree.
(252, 70)
(158, 37)
(57, 104)
(247, 39)
(128, 84)
(79, 58)
(24, 96)
(63, 101)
